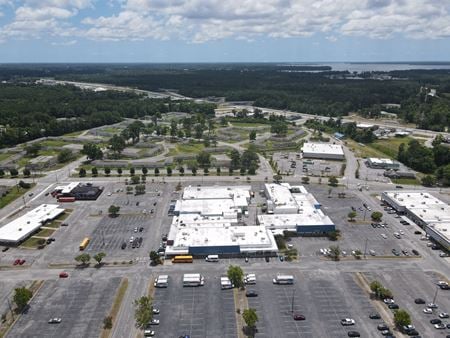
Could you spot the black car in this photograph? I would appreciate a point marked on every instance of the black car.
(382, 327)
(444, 287)
(374, 316)
(5, 249)
(353, 334)
(435, 247)
(417, 232)
(141, 229)
(413, 333)
(393, 306)
(419, 301)
(267, 258)
(251, 293)
(435, 321)
(415, 252)
(124, 245)
(399, 187)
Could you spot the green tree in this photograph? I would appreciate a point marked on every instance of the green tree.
(140, 189)
(26, 172)
(235, 157)
(305, 180)
(83, 258)
(181, 170)
(144, 171)
(335, 252)
(65, 155)
(173, 128)
(94, 171)
(169, 171)
(99, 257)
(129, 189)
(218, 171)
(82, 172)
(252, 135)
(428, 181)
(92, 151)
(156, 171)
(143, 311)
(2, 173)
(204, 159)
(333, 235)
(119, 171)
(32, 150)
(107, 323)
(332, 180)
(13, 172)
(376, 216)
(113, 210)
(134, 179)
(21, 297)
(154, 258)
(236, 275)
(194, 171)
(132, 171)
(351, 216)
(279, 128)
(107, 171)
(250, 318)
(117, 145)
(401, 318)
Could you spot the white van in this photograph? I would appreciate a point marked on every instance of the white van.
(250, 279)
(212, 258)
(283, 279)
(162, 281)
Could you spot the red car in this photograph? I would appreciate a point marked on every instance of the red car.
(21, 261)
(63, 274)
(298, 316)
(16, 262)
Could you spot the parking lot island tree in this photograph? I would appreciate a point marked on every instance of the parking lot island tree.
(333, 181)
(113, 211)
(83, 258)
(143, 311)
(376, 216)
(154, 258)
(236, 275)
(21, 297)
(351, 216)
(402, 318)
(99, 257)
(335, 252)
(250, 318)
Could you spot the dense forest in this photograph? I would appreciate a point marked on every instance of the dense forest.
(29, 111)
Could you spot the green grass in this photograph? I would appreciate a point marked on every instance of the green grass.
(112, 130)
(45, 233)
(75, 133)
(13, 195)
(54, 143)
(189, 148)
(409, 181)
(4, 156)
(363, 151)
(390, 146)
(249, 125)
(31, 242)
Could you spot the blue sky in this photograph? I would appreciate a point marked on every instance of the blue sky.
(224, 31)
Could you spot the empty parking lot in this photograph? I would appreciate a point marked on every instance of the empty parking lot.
(81, 305)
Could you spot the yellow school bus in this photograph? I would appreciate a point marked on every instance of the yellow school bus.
(84, 243)
(182, 259)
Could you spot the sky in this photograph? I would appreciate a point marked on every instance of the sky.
(224, 30)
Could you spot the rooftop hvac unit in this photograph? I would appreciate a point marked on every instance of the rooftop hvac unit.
(206, 239)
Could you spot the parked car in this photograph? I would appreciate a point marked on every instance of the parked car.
(374, 316)
(347, 321)
(154, 322)
(155, 311)
(428, 311)
(298, 316)
(443, 315)
(388, 301)
(5, 249)
(149, 333)
(353, 334)
(63, 274)
(54, 320)
(393, 306)
(251, 293)
(382, 327)
(419, 301)
(439, 326)
(124, 245)
(435, 321)
(415, 252)
(432, 306)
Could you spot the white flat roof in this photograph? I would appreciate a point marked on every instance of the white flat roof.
(323, 148)
(280, 195)
(67, 188)
(216, 192)
(414, 199)
(381, 160)
(443, 228)
(206, 207)
(290, 221)
(22, 227)
(248, 238)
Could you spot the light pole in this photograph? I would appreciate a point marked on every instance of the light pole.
(365, 248)
(292, 302)
(435, 295)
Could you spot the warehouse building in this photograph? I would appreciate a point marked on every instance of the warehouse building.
(23, 227)
(427, 211)
(382, 163)
(293, 208)
(323, 151)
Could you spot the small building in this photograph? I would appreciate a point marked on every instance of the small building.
(382, 163)
(23, 227)
(79, 191)
(41, 162)
(339, 136)
(323, 151)
(399, 174)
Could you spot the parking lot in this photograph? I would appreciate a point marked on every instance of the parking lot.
(292, 164)
(323, 298)
(405, 292)
(81, 305)
(357, 235)
(205, 311)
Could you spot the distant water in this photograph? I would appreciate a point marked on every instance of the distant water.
(382, 67)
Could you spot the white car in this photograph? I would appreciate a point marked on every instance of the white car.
(54, 320)
(432, 306)
(442, 283)
(149, 333)
(388, 301)
(155, 311)
(384, 236)
(347, 321)
(154, 322)
(402, 232)
(444, 315)
(440, 326)
(443, 254)
(428, 311)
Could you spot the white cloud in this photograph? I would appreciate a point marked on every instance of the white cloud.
(64, 43)
(199, 21)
